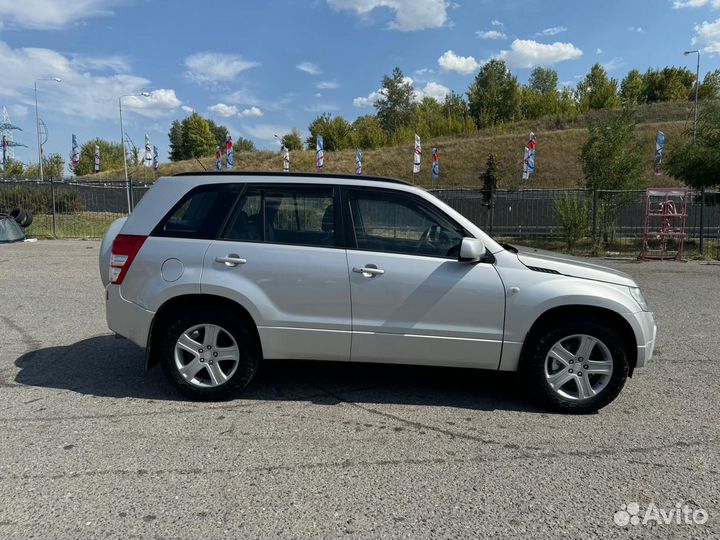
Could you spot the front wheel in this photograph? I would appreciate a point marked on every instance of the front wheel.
(579, 366)
(209, 355)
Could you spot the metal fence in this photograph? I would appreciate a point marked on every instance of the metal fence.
(74, 210)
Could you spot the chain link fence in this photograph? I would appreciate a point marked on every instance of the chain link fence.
(74, 210)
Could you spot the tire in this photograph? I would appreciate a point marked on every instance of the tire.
(25, 223)
(559, 353)
(19, 215)
(219, 334)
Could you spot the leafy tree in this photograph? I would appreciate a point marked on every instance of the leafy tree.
(695, 163)
(494, 96)
(489, 179)
(244, 145)
(293, 140)
(396, 106)
(111, 157)
(574, 218)
(710, 87)
(53, 167)
(543, 81)
(632, 89)
(367, 132)
(336, 132)
(13, 169)
(195, 136)
(669, 84)
(597, 90)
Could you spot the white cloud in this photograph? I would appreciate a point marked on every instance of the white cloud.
(707, 37)
(17, 111)
(266, 132)
(526, 53)
(614, 64)
(187, 109)
(497, 23)
(465, 65)
(252, 111)
(432, 90)
(327, 85)
(242, 97)
(118, 64)
(322, 108)
(679, 4)
(226, 111)
(370, 99)
(309, 67)
(599, 51)
(410, 15)
(553, 31)
(637, 29)
(209, 67)
(490, 34)
(82, 92)
(51, 14)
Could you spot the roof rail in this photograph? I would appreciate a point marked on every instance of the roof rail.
(295, 175)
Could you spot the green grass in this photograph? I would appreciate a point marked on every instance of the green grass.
(74, 225)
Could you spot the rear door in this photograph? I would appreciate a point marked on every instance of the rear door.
(412, 301)
(281, 256)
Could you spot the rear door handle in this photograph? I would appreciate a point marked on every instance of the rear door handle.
(368, 271)
(231, 260)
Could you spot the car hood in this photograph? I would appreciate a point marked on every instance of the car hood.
(572, 266)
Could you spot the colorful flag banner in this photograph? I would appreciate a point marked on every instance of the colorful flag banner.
(75, 155)
(218, 159)
(418, 154)
(230, 152)
(148, 152)
(319, 154)
(286, 159)
(156, 163)
(659, 150)
(435, 164)
(97, 158)
(358, 162)
(529, 157)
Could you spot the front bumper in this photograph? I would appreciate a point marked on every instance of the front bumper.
(126, 318)
(643, 324)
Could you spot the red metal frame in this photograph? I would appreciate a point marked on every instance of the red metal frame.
(665, 218)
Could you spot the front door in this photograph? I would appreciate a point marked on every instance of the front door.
(412, 301)
(281, 258)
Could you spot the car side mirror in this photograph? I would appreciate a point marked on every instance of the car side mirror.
(471, 250)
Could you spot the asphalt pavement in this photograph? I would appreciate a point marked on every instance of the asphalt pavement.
(91, 446)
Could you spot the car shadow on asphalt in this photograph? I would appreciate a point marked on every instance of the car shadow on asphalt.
(104, 366)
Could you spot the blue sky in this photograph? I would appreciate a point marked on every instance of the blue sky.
(265, 67)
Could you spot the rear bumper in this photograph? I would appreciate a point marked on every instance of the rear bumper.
(126, 318)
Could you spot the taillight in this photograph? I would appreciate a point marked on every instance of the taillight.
(124, 249)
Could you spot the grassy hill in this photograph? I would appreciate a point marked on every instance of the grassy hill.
(463, 158)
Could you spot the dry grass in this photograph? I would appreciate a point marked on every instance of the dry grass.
(463, 158)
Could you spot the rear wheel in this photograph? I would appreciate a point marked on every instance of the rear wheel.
(579, 366)
(209, 355)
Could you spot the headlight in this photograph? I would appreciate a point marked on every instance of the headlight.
(637, 295)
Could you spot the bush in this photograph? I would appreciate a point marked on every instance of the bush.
(38, 199)
(574, 218)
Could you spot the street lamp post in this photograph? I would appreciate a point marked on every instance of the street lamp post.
(37, 122)
(122, 142)
(702, 190)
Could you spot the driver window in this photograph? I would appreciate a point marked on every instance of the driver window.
(396, 224)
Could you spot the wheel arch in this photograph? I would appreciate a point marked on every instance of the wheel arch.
(179, 303)
(607, 316)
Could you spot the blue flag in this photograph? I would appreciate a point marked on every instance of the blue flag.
(319, 154)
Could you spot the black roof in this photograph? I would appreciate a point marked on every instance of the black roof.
(277, 174)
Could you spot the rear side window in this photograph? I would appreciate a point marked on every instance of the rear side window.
(303, 216)
(199, 214)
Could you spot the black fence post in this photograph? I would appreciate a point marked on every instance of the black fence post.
(491, 210)
(594, 217)
(52, 199)
(702, 221)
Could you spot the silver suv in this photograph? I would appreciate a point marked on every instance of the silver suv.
(212, 273)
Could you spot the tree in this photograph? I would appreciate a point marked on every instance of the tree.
(632, 89)
(710, 87)
(597, 90)
(195, 136)
(543, 81)
(336, 132)
(696, 163)
(13, 169)
(244, 145)
(489, 179)
(494, 96)
(612, 159)
(367, 132)
(669, 84)
(396, 105)
(111, 157)
(53, 167)
(293, 140)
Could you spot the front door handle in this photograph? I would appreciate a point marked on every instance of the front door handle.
(369, 271)
(231, 260)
